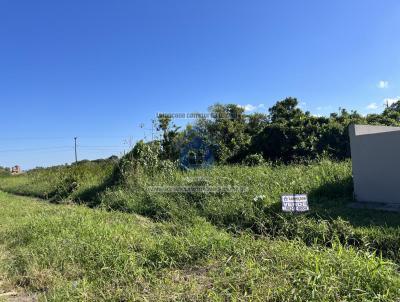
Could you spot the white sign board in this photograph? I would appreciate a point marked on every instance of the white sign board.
(295, 203)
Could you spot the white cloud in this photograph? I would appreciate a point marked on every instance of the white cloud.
(383, 84)
(390, 101)
(372, 106)
(248, 107)
(251, 108)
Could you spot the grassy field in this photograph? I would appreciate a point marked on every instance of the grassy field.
(73, 253)
(72, 182)
(160, 233)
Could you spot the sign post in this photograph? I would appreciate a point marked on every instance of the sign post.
(295, 203)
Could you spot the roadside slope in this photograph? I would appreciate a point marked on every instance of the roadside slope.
(73, 253)
(234, 198)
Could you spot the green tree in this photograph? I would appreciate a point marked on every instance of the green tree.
(170, 134)
(284, 111)
(226, 132)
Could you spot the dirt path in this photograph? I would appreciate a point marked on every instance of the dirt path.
(8, 292)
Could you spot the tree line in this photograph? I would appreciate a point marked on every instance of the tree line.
(285, 134)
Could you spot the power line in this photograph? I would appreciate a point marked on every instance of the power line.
(33, 138)
(84, 146)
(37, 149)
(55, 148)
(60, 138)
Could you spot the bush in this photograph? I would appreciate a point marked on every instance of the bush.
(254, 160)
(4, 172)
(144, 158)
(68, 185)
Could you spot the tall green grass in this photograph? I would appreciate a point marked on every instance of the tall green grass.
(248, 198)
(72, 253)
(235, 198)
(75, 182)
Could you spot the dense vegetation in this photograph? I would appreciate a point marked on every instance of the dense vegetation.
(204, 229)
(161, 231)
(73, 182)
(236, 198)
(285, 134)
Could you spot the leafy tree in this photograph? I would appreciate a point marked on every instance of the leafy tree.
(393, 107)
(285, 111)
(226, 132)
(256, 123)
(170, 133)
(391, 115)
(285, 134)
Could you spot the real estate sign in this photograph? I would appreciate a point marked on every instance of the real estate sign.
(295, 203)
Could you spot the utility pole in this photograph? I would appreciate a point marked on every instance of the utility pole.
(141, 125)
(76, 154)
(153, 124)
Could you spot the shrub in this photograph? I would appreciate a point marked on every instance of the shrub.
(254, 160)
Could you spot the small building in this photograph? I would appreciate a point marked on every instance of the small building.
(375, 155)
(16, 170)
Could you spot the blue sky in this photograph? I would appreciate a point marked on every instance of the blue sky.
(98, 69)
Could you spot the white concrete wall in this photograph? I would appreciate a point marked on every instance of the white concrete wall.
(375, 155)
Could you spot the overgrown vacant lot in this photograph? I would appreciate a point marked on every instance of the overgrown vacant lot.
(204, 234)
(61, 181)
(66, 252)
(235, 198)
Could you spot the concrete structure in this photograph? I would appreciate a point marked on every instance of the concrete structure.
(375, 154)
